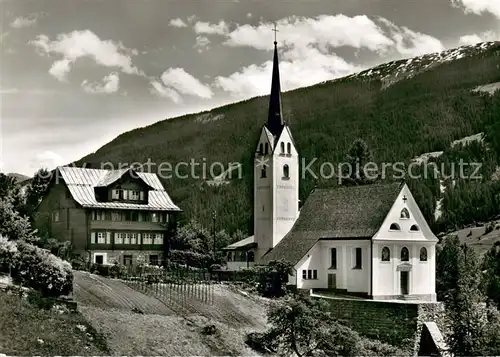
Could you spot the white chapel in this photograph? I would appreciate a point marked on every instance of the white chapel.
(369, 240)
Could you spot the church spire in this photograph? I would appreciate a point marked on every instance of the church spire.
(275, 117)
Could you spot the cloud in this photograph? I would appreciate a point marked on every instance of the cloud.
(202, 43)
(178, 22)
(479, 7)
(60, 69)
(298, 69)
(475, 38)
(111, 83)
(80, 44)
(308, 45)
(21, 22)
(161, 91)
(46, 159)
(185, 83)
(211, 29)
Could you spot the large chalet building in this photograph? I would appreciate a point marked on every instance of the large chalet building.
(108, 215)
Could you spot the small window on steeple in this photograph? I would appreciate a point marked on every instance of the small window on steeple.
(286, 172)
(282, 147)
(261, 149)
(266, 148)
(288, 148)
(263, 172)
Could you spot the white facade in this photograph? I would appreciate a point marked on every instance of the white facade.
(374, 273)
(276, 189)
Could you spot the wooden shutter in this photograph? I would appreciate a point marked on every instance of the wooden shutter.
(125, 194)
(92, 238)
(141, 195)
(114, 194)
(108, 237)
(139, 241)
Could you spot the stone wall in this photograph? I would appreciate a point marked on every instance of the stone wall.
(396, 323)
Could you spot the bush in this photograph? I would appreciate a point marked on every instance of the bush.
(78, 264)
(117, 271)
(100, 269)
(191, 259)
(36, 268)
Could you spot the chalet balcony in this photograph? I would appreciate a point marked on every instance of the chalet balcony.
(146, 247)
(127, 225)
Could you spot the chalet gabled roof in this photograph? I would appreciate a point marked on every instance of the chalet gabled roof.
(347, 212)
(114, 175)
(82, 181)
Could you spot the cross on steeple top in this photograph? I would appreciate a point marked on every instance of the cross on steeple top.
(275, 31)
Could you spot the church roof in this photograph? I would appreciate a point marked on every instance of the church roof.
(347, 212)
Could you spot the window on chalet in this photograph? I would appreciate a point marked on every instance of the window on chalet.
(126, 238)
(158, 239)
(358, 258)
(99, 259)
(119, 238)
(101, 237)
(98, 215)
(153, 259)
(127, 260)
(115, 195)
(116, 216)
(133, 238)
(147, 238)
(154, 217)
(55, 216)
(134, 195)
(229, 256)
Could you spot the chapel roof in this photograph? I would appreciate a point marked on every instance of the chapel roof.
(348, 212)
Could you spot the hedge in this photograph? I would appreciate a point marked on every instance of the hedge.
(36, 268)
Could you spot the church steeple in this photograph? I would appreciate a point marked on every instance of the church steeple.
(275, 120)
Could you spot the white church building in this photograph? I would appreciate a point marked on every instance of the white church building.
(369, 240)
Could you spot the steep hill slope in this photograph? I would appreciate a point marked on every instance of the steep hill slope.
(401, 109)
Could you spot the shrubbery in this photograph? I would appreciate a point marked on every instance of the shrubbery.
(191, 259)
(36, 268)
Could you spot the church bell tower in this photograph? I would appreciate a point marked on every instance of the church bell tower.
(276, 174)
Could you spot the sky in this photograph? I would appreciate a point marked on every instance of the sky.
(77, 73)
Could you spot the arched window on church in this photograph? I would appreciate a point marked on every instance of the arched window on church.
(261, 149)
(386, 254)
(286, 171)
(282, 147)
(414, 228)
(263, 172)
(405, 254)
(394, 227)
(288, 148)
(405, 214)
(423, 254)
(266, 148)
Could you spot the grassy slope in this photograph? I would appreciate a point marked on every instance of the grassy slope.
(22, 325)
(168, 332)
(417, 115)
